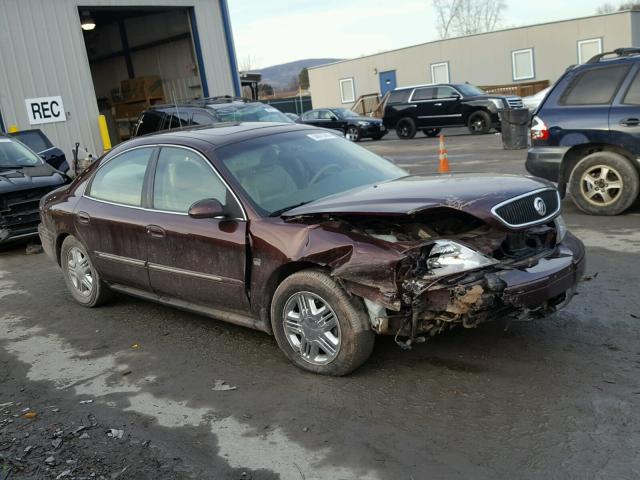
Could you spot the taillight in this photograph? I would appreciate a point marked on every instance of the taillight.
(539, 130)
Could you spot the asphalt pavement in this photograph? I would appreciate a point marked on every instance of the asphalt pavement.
(137, 390)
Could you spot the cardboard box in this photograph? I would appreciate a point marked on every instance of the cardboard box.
(142, 88)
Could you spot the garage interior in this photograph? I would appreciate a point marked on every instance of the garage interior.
(139, 57)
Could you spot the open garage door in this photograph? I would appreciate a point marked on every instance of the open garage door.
(140, 57)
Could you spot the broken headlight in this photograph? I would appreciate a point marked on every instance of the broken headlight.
(448, 257)
(561, 228)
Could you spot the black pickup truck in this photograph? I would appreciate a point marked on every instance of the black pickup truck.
(24, 179)
(432, 107)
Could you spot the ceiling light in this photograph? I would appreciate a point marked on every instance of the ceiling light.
(87, 22)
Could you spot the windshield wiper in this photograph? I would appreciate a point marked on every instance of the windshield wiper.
(277, 213)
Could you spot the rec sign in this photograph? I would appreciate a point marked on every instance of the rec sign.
(45, 110)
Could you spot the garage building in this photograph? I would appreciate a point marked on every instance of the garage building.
(508, 60)
(65, 62)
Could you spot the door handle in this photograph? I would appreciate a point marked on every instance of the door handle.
(155, 231)
(630, 122)
(438, 104)
(84, 218)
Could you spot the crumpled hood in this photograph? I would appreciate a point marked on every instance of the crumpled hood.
(13, 180)
(475, 194)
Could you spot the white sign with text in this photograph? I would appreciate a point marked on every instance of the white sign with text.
(45, 110)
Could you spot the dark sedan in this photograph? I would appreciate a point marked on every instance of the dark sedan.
(297, 232)
(354, 126)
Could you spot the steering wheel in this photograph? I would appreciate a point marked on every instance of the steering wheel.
(320, 173)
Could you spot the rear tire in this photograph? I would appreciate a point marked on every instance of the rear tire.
(479, 122)
(431, 132)
(82, 279)
(301, 327)
(604, 183)
(406, 128)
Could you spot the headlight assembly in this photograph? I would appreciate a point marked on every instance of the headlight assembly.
(363, 124)
(448, 257)
(498, 103)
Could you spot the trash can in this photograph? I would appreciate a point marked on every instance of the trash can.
(515, 128)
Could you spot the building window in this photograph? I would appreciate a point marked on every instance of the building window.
(589, 48)
(522, 64)
(440, 72)
(347, 92)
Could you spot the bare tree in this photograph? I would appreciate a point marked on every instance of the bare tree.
(610, 7)
(466, 17)
(247, 63)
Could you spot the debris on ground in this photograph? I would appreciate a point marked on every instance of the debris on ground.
(588, 278)
(85, 402)
(33, 248)
(222, 386)
(115, 433)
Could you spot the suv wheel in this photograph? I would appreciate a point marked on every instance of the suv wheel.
(318, 326)
(431, 132)
(604, 183)
(406, 128)
(479, 122)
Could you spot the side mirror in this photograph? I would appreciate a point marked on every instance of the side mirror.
(207, 208)
(455, 95)
(334, 118)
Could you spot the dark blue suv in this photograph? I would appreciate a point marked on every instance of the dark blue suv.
(586, 133)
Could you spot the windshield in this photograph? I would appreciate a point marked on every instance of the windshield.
(345, 113)
(470, 90)
(15, 155)
(281, 171)
(250, 112)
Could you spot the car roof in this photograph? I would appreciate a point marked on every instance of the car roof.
(219, 134)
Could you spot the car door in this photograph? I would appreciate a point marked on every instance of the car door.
(328, 119)
(624, 115)
(310, 117)
(426, 111)
(111, 222)
(197, 260)
(448, 106)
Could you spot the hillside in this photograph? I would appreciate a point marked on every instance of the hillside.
(280, 76)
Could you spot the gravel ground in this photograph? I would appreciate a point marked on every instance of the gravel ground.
(553, 399)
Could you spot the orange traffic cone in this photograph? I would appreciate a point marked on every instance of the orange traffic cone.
(444, 158)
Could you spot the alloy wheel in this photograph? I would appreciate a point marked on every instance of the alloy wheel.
(79, 271)
(311, 328)
(352, 134)
(601, 185)
(478, 125)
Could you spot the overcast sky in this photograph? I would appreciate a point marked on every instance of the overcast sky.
(279, 31)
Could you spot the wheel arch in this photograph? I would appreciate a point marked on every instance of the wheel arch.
(58, 246)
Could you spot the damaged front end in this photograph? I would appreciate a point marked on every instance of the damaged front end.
(424, 273)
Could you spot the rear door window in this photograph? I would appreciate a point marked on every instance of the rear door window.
(200, 118)
(34, 139)
(596, 86)
(632, 97)
(425, 93)
(121, 179)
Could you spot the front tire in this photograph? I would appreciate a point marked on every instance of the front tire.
(318, 326)
(352, 134)
(81, 277)
(604, 183)
(406, 128)
(479, 122)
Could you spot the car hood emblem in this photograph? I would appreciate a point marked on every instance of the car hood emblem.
(540, 206)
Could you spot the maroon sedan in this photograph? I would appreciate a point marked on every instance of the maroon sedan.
(297, 232)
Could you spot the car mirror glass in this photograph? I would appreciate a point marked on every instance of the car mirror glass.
(207, 208)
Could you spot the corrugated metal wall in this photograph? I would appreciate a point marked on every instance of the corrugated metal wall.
(42, 54)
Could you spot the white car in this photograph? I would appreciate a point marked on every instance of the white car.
(532, 101)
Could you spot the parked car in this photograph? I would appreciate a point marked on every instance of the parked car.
(353, 126)
(37, 141)
(292, 116)
(24, 179)
(586, 134)
(295, 231)
(532, 102)
(431, 108)
(206, 111)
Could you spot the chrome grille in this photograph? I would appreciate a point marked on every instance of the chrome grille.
(515, 102)
(521, 211)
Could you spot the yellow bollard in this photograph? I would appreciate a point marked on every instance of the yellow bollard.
(104, 133)
(13, 128)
